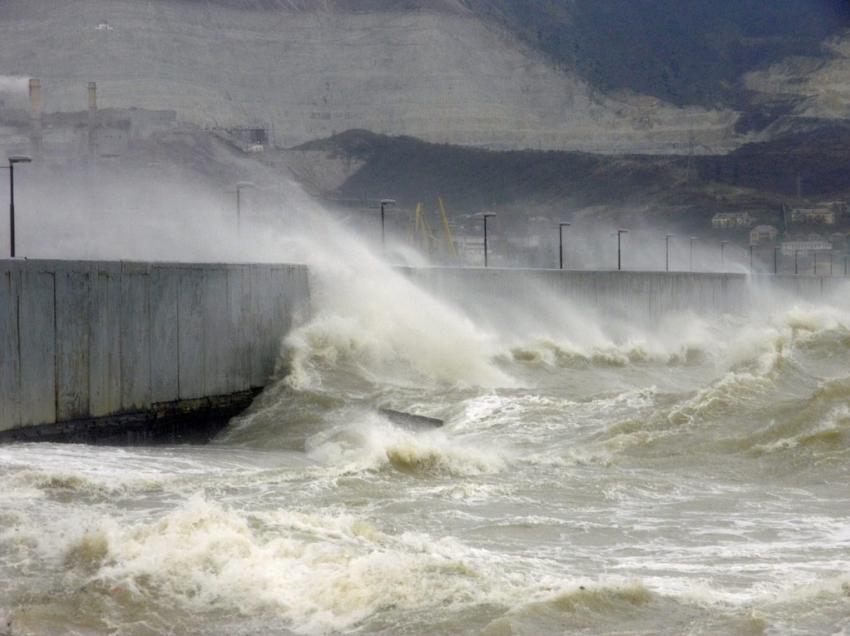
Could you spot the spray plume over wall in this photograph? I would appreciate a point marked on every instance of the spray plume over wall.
(381, 322)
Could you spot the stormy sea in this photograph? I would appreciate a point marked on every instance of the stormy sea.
(590, 476)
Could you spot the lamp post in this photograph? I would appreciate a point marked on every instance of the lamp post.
(667, 252)
(561, 227)
(485, 216)
(776, 249)
(239, 187)
(796, 252)
(13, 159)
(752, 245)
(384, 204)
(723, 255)
(693, 238)
(619, 234)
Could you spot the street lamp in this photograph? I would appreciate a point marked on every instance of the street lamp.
(723, 255)
(13, 159)
(796, 252)
(239, 187)
(776, 249)
(752, 245)
(619, 234)
(384, 204)
(561, 227)
(485, 216)
(693, 238)
(667, 252)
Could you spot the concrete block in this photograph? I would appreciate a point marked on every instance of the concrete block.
(37, 345)
(73, 320)
(238, 302)
(261, 327)
(10, 361)
(190, 325)
(104, 339)
(163, 300)
(217, 332)
(135, 338)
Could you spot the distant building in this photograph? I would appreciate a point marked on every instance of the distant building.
(252, 135)
(813, 215)
(763, 234)
(729, 220)
(790, 247)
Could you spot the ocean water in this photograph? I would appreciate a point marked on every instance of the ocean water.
(685, 478)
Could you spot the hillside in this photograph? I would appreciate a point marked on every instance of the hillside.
(433, 70)
(637, 189)
(623, 76)
(680, 52)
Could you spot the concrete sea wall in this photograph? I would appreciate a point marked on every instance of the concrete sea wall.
(124, 352)
(128, 352)
(640, 297)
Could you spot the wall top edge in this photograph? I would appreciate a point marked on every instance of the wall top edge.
(32, 264)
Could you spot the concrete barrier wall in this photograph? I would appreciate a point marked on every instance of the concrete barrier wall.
(94, 339)
(642, 297)
(85, 342)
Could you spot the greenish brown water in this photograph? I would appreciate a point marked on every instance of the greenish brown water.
(689, 478)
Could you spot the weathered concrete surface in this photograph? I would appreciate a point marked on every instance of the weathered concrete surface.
(181, 422)
(125, 349)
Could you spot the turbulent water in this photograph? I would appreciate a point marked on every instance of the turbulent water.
(686, 479)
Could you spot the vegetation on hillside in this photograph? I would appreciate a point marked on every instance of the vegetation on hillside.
(690, 52)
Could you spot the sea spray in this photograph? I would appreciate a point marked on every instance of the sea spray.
(368, 313)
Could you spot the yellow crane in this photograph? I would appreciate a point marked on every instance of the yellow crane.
(421, 235)
(421, 228)
(447, 229)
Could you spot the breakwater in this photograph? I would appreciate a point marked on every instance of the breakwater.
(128, 353)
(125, 352)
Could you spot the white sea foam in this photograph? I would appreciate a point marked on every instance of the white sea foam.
(320, 573)
(367, 312)
(373, 444)
(586, 475)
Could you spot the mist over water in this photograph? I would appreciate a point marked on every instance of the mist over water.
(593, 475)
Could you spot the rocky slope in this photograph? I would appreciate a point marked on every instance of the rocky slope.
(679, 52)
(434, 70)
(621, 76)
